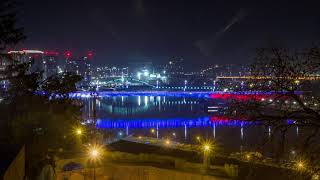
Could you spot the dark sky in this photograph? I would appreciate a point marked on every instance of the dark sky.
(202, 31)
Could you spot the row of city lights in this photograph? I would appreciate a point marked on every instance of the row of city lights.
(287, 102)
(95, 152)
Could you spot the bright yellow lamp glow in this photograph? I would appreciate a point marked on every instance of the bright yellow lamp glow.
(168, 142)
(79, 131)
(152, 130)
(95, 152)
(198, 138)
(300, 165)
(206, 147)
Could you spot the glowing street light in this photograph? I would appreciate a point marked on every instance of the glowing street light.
(248, 157)
(206, 148)
(174, 134)
(152, 131)
(168, 142)
(300, 165)
(94, 153)
(79, 131)
(198, 138)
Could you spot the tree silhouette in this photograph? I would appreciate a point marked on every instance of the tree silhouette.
(42, 122)
(289, 80)
(10, 34)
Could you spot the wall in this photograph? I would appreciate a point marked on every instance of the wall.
(16, 170)
(122, 172)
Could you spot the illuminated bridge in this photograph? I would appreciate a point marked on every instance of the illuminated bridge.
(126, 82)
(266, 77)
(137, 123)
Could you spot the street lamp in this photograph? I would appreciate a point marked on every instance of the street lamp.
(79, 132)
(168, 142)
(185, 84)
(300, 165)
(152, 131)
(95, 153)
(206, 147)
(174, 134)
(198, 138)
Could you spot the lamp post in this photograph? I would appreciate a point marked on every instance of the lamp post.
(198, 138)
(152, 132)
(94, 155)
(185, 85)
(206, 148)
(78, 132)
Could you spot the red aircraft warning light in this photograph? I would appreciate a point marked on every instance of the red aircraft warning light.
(67, 54)
(90, 54)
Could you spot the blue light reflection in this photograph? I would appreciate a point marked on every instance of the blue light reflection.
(139, 123)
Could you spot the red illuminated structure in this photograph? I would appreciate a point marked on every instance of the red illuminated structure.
(239, 97)
(68, 54)
(51, 53)
(90, 54)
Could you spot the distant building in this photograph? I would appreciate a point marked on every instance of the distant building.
(33, 56)
(80, 66)
(137, 67)
(104, 72)
(50, 62)
(175, 66)
(5, 61)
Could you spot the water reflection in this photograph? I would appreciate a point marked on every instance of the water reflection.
(180, 118)
(140, 123)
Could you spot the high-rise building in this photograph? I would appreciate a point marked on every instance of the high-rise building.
(24, 56)
(80, 66)
(50, 62)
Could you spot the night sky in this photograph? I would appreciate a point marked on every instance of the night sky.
(202, 31)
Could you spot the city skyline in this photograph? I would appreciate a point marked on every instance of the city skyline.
(209, 32)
